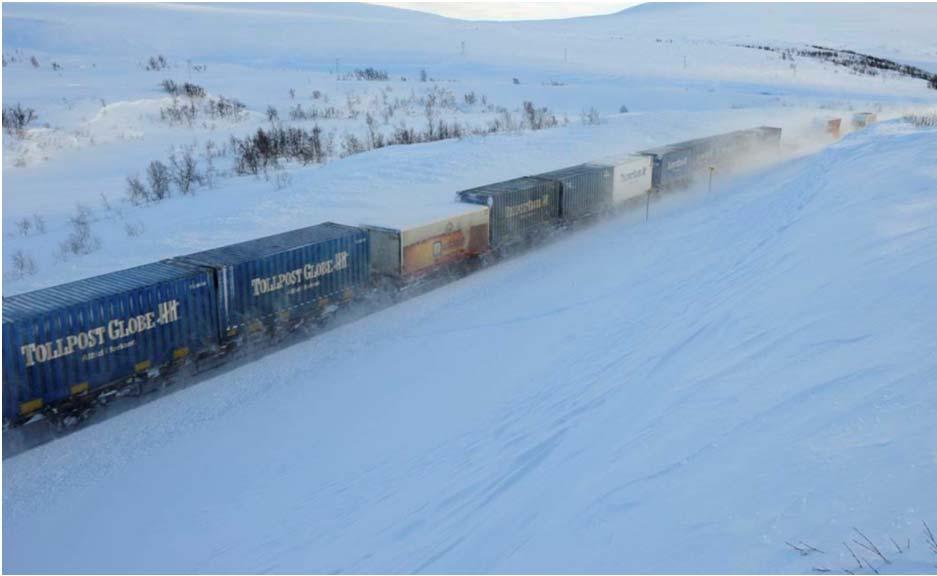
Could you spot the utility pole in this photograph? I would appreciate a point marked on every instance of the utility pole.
(564, 56)
(711, 170)
(647, 205)
(463, 48)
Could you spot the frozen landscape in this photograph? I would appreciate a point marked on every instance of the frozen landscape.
(743, 383)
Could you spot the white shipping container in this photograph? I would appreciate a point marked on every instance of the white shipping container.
(632, 175)
(414, 249)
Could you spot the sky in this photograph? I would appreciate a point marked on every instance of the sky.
(513, 10)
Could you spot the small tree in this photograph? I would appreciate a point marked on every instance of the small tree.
(184, 171)
(136, 191)
(158, 175)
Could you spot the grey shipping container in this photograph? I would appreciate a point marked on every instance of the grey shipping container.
(585, 190)
(671, 166)
(521, 208)
(68, 340)
(285, 276)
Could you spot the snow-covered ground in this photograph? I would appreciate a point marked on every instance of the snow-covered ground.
(753, 366)
(99, 113)
(750, 367)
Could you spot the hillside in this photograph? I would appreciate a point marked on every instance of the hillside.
(95, 75)
(748, 368)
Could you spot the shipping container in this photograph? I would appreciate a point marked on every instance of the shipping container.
(286, 277)
(631, 176)
(671, 166)
(520, 209)
(75, 338)
(833, 126)
(863, 119)
(585, 190)
(409, 250)
(768, 136)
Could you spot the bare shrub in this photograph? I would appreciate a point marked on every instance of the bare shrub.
(193, 90)
(56, 66)
(136, 191)
(23, 264)
(157, 62)
(470, 98)
(34, 61)
(170, 87)
(351, 144)
(158, 176)
(622, 109)
(538, 118)
(80, 240)
(24, 226)
(184, 171)
(590, 116)
(272, 114)
(17, 118)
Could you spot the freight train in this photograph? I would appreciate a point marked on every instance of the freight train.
(70, 347)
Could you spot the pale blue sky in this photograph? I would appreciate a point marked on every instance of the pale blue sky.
(513, 10)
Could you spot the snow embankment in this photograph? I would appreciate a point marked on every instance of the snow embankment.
(751, 367)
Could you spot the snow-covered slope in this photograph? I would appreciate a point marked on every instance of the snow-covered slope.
(750, 367)
(677, 69)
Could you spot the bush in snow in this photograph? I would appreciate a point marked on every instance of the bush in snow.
(157, 62)
(23, 265)
(538, 118)
(158, 176)
(16, 119)
(591, 116)
(622, 109)
(183, 171)
(80, 240)
(34, 61)
(136, 190)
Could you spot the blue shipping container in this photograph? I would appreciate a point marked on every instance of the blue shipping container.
(294, 274)
(70, 339)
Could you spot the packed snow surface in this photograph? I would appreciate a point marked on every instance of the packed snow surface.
(751, 366)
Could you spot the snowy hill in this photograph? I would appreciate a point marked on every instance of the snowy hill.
(103, 117)
(751, 367)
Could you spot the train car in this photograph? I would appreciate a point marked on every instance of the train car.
(520, 209)
(863, 119)
(833, 127)
(284, 279)
(68, 342)
(408, 251)
(585, 190)
(631, 177)
(671, 166)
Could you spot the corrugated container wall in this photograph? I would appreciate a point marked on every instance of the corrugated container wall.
(69, 339)
(520, 209)
(292, 275)
(585, 190)
(671, 166)
(414, 250)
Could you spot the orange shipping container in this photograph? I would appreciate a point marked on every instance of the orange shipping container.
(413, 250)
